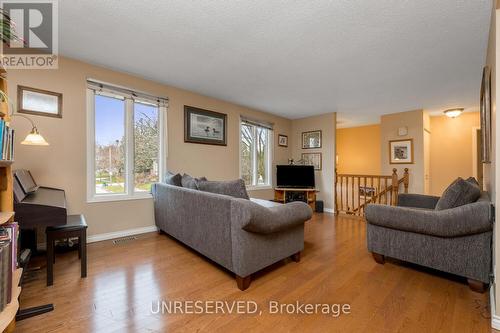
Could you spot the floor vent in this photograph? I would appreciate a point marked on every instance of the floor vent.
(124, 240)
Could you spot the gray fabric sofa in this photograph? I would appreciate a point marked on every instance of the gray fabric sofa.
(456, 240)
(241, 235)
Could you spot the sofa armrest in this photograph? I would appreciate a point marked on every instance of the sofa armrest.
(264, 220)
(417, 200)
(465, 220)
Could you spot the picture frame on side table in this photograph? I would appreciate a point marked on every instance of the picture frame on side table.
(204, 126)
(401, 151)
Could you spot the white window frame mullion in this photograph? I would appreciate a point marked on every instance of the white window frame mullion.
(270, 157)
(163, 137)
(254, 155)
(129, 147)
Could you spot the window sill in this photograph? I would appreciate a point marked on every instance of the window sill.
(259, 187)
(119, 197)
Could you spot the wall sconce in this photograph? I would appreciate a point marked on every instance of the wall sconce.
(453, 113)
(33, 138)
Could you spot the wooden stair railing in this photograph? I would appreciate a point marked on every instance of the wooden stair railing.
(354, 192)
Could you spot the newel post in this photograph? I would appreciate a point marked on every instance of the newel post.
(406, 180)
(336, 192)
(395, 187)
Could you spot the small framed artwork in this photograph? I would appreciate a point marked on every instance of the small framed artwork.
(282, 140)
(485, 115)
(401, 151)
(311, 139)
(312, 159)
(39, 102)
(204, 126)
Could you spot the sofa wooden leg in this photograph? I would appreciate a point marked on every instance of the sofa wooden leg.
(296, 257)
(380, 259)
(243, 282)
(477, 286)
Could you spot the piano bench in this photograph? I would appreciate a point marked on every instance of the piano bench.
(74, 227)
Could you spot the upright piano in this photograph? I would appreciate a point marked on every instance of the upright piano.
(36, 207)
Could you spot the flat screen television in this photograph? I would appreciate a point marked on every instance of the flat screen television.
(296, 176)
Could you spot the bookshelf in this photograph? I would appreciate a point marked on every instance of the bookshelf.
(8, 314)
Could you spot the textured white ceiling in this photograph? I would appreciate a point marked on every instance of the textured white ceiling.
(293, 58)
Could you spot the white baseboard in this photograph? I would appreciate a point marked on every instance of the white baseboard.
(495, 320)
(329, 210)
(121, 233)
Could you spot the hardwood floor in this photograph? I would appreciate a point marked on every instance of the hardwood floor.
(125, 279)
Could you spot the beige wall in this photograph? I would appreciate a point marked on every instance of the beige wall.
(358, 150)
(492, 170)
(324, 178)
(63, 163)
(451, 149)
(389, 125)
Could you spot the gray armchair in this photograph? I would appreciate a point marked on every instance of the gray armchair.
(456, 240)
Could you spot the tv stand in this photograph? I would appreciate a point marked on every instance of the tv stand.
(289, 194)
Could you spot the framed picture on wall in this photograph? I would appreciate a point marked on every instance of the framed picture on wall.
(282, 140)
(39, 102)
(485, 115)
(312, 159)
(204, 126)
(401, 151)
(311, 139)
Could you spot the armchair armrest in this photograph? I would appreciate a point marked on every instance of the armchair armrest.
(460, 221)
(265, 220)
(417, 200)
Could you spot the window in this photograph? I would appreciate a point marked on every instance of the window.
(255, 153)
(126, 144)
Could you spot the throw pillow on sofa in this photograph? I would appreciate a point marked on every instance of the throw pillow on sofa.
(173, 179)
(190, 182)
(459, 193)
(234, 188)
(473, 181)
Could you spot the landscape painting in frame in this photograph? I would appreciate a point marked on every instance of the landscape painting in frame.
(312, 159)
(401, 151)
(311, 139)
(204, 126)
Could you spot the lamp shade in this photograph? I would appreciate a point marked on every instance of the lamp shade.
(34, 139)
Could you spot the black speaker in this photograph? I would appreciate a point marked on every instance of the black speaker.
(319, 206)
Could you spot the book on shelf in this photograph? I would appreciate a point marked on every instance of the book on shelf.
(5, 274)
(9, 234)
(13, 231)
(6, 141)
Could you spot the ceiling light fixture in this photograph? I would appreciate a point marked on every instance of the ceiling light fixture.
(453, 113)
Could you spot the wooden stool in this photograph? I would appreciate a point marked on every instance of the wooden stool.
(74, 227)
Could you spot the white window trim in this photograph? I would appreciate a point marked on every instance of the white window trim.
(129, 194)
(270, 154)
